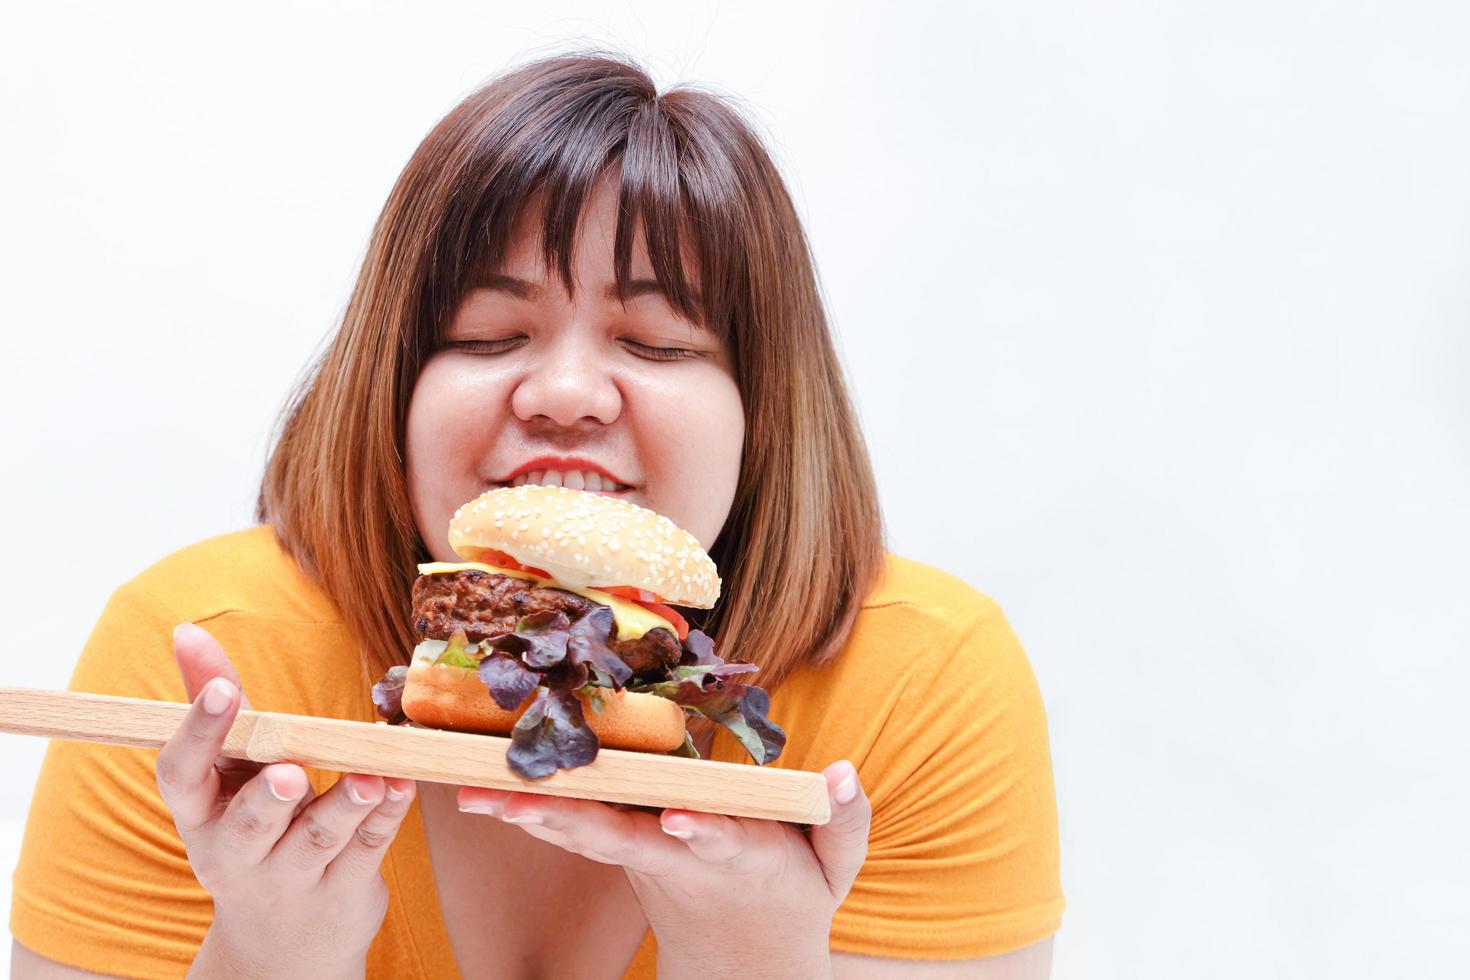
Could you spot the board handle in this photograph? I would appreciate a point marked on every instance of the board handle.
(111, 720)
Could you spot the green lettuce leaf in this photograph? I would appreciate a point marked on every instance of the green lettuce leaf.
(687, 750)
(459, 652)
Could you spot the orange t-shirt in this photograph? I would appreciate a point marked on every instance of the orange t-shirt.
(932, 699)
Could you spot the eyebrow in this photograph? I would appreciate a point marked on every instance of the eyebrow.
(531, 292)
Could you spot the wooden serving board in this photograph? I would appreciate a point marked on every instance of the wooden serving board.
(457, 758)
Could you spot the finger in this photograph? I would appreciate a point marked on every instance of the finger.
(201, 659)
(260, 813)
(724, 841)
(363, 855)
(594, 830)
(324, 828)
(185, 772)
(841, 845)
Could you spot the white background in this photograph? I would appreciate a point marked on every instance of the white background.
(1156, 314)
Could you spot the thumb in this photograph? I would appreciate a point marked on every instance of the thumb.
(841, 845)
(201, 659)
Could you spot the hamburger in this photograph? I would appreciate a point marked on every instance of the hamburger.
(558, 629)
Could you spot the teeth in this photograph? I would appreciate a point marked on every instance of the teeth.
(572, 480)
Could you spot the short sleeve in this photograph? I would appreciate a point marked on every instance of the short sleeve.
(963, 852)
(103, 882)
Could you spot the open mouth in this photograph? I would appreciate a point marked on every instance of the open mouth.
(571, 479)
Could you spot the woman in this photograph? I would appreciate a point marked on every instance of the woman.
(572, 275)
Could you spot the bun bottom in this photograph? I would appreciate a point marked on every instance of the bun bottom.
(441, 696)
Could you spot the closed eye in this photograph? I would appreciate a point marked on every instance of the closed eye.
(661, 353)
(509, 343)
(484, 346)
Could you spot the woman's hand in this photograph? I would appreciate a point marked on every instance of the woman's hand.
(723, 894)
(295, 877)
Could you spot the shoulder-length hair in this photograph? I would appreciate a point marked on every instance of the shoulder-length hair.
(803, 543)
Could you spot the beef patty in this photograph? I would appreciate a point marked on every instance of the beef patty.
(484, 604)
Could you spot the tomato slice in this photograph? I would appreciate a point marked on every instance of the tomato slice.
(493, 557)
(649, 601)
(681, 628)
(628, 592)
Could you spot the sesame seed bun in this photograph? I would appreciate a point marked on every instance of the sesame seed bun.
(441, 696)
(588, 540)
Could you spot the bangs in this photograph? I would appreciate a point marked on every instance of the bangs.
(541, 151)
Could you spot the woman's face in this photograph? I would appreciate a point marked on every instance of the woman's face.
(531, 383)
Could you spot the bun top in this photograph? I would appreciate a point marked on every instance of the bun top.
(587, 540)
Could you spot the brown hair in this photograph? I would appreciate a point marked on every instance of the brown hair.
(803, 544)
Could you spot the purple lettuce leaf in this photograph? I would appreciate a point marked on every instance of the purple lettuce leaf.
(587, 645)
(554, 659)
(388, 695)
(539, 639)
(552, 734)
(702, 684)
(718, 670)
(741, 708)
(509, 681)
(699, 650)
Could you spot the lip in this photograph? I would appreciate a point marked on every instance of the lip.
(562, 464)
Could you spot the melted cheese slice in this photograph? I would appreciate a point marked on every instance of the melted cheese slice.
(632, 619)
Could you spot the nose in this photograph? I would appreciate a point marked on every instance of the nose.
(571, 381)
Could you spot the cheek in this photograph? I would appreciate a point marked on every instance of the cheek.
(430, 432)
(449, 429)
(696, 443)
(451, 406)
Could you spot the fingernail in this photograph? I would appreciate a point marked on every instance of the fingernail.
(681, 834)
(180, 629)
(277, 793)
(355, 796)
(485, 808)
(218, 694)
(847, 790)
(525, 818)
(393, 792)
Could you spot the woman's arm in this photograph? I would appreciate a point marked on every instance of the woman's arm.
(212, 961)
(26, 965)
(1030, 963)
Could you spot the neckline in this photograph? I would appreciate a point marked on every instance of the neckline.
(417, 893)
(418, 896)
